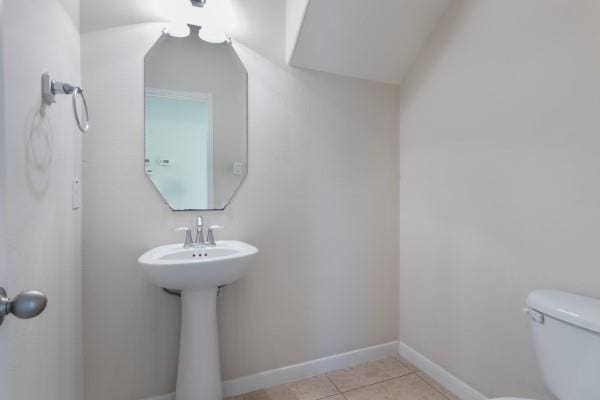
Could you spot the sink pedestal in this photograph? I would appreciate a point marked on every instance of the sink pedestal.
(199, 373)
(198, 272)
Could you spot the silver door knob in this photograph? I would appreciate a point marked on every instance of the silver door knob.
(25, 305)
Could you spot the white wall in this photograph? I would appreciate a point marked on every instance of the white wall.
(320, 202)
(43, 244)
(261, 25)
(499, 166)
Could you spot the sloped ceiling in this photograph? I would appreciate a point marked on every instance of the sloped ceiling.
(376, 40)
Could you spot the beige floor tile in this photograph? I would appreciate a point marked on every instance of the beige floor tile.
(368, 373)
(437, 386)
(409, 387)
(315, 388)
(280, 392)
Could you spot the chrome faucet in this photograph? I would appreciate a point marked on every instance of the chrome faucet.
(199, 231)
(199, 240)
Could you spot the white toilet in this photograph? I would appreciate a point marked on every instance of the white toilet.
(566, 333)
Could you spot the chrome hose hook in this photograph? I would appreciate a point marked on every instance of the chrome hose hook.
(51, 87)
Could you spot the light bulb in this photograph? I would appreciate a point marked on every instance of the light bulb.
(215, 17)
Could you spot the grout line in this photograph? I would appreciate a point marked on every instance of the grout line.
(377, 383)
(433, 387)
(333, 397)
(332, 382)
(408, 365)
(330, 396)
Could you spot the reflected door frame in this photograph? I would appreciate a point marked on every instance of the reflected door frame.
(183, 95)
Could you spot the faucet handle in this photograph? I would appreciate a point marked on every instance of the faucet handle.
(210, 238)
(188, 236)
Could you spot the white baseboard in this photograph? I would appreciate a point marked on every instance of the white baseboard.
(443, 377)
(307, 369)
(262, 380)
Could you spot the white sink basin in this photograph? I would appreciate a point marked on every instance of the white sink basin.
(174, 267)
(198, 272)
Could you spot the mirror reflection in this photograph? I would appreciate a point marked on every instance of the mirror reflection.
(195, 121)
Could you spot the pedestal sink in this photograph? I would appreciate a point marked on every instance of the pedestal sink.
(198, 272)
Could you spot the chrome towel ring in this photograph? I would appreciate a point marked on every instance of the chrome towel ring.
(84, 125)
(51, 87)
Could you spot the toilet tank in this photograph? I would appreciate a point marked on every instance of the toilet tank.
(566, 333)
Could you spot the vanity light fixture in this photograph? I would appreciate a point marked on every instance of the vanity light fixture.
(198, 3)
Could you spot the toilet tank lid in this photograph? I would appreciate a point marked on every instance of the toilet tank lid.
(572, 308)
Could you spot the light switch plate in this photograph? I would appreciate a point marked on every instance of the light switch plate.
(76, 194)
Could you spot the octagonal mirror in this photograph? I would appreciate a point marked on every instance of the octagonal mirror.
(196, 133)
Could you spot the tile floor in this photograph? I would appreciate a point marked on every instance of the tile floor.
(388, 379)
